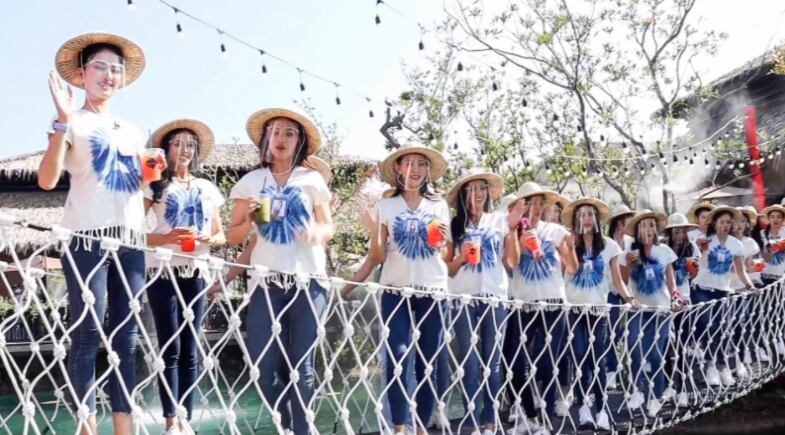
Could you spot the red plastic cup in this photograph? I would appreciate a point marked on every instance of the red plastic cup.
(188, 244)
(703, 244)
(472, 249)
(692, 266)
(153, 163)
(435, 236)
(759, 265)
(533, 245)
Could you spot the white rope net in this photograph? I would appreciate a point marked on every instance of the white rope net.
(519, 366)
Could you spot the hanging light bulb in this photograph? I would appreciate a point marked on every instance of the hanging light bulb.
(548, 169)
(460, 66)
(131, 5)
(524, 103)
(378, 20)
(421, 45)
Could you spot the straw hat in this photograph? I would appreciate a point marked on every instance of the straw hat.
(258, 120)
(750, 212)
(771, 208)
(692, 213)
(679, 220)
(569, 211)
(562, 201)
(724, 208)
(388, 193)
(505, 202)
(387, 166)
(204, 136)
(321, 167)
(68, 57)
(644, 214)
(530, 188)
(495, 185)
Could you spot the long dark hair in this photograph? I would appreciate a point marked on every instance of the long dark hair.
(159, 187)
(264, 145)
(759, 234)
(614, 224)
(684, 250)
(712, 229)
(93, 49)
(458, 223)
(638, 243)
(597, 241)
(426, 188)
(767, 232)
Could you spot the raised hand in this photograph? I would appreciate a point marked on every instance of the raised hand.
(63, 97)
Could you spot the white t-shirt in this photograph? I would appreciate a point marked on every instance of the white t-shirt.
(590, 285)
(279, 244)
(777, 264)
(182, 206)
(695, 234)
(648, 281)
(105, 176)
(750, 249)
(488, 276)
(681, 273)
(410, 261)
(716, 265)
(540, 278)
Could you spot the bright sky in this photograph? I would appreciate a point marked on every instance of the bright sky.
(334, 38)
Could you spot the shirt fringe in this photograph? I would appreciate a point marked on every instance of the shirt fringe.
(83, 239)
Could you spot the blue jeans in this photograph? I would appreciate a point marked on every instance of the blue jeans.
(181, 360)
(536, 325)
(708, 325)
(484, 321)
(295, 351)
(647, 349)
(110, 294)
(426, 316)
(590, 356)
(617, 324)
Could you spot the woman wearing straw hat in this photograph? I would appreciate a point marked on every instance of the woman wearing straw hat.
(598, 272)
(100, 152)
(617, 230)
(188, 220)
(722, 256)
(483, 245)
(287, 205)
(648, 263)
(555, 211)
(773, 252)
(676, 236)
(545, 248)
(409, 240)
(698, 215)
(742, 230)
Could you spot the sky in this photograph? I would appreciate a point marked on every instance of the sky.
(337, 39)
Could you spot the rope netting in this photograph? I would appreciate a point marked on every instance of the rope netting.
(353, 366)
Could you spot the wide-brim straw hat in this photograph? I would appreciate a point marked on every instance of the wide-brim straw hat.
(505, 202)
(645, 214)
(204, 136)
(562, 201)
(750, 212)
(68, 57)
(568, 212)
(679, 220)
(258, 120)
(495, 185)
(692, 213)
(771, 208)
(436, 159)
(724, 208)
(388, 193)
(321, 167)
(530, 188)
(619, 211)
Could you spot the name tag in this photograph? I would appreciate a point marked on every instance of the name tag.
(721, 257)
(648, 272)
(278, 208)
(412, 226)
(588, 264)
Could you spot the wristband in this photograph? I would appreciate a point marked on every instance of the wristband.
(60, 126)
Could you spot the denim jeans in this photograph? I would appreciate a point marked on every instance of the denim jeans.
(181, 359)
(103, 277)
(649, 349)
(616, 323)
(400, 314)
(293, 348)
(713, 338)
(590, 356)
(484, 321)
(536, 326)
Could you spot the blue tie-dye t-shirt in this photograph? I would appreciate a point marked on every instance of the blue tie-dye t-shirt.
(102, 161)
(648, 279)
(591, 283)
(716, 265)
(776, 266)
(488, 277)
(539, 277)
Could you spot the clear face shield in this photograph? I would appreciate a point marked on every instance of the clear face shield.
(278, 131)
(414, 171)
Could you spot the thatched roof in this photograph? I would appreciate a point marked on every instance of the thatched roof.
(20, 168)
(40, 208)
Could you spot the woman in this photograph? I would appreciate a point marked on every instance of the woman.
(100, 152)
(698, 215)
(287, 206)
(598, 275)
(617, 230)
(773, 252)
(649, 264)
(409, 240)
(545, 248)
(484, 245)
(187, 211)
(721, 257)
(687, 252)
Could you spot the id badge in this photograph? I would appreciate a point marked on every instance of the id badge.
(278, 208)
(412, 226)
(588, 265)
(649, 272)
(721, 257)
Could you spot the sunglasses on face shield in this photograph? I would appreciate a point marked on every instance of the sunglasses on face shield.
(286, 132)
(103, 67)
(184, 143)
